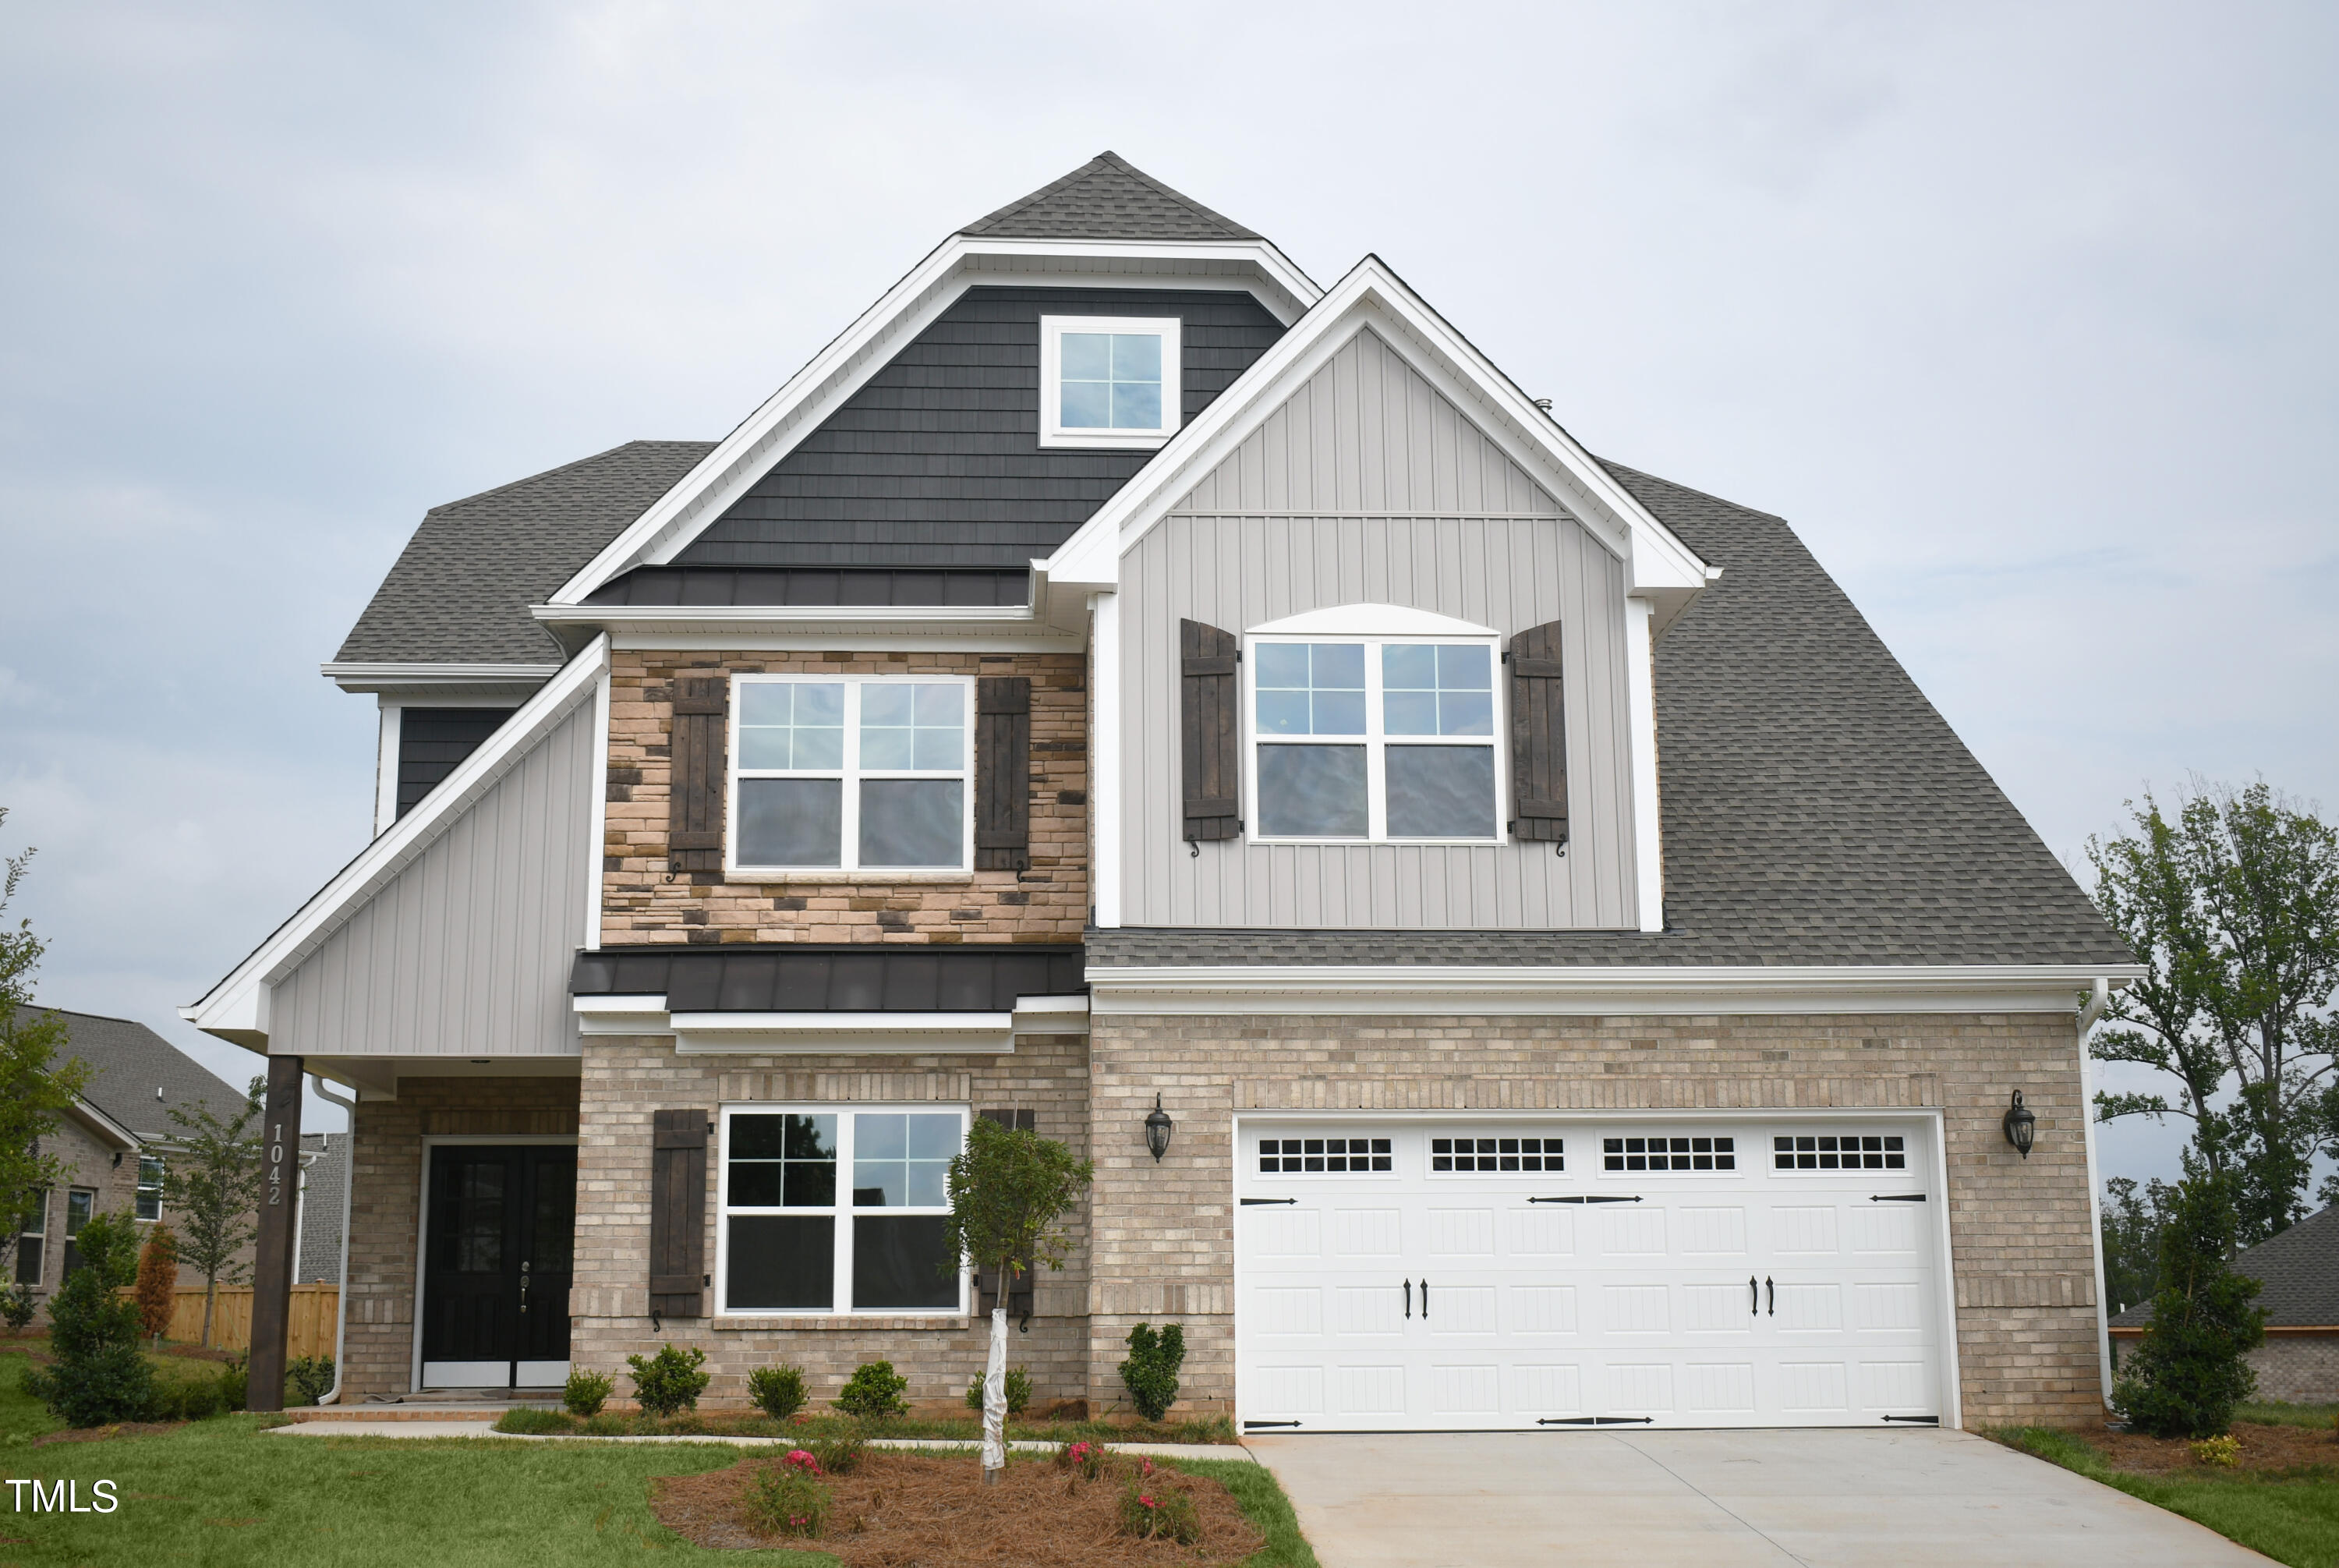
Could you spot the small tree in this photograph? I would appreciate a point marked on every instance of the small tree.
(158, 1278)
(2189, 1372)
(99, 1376)
(213, 1185)
(34, 1087)
(1010, 1190)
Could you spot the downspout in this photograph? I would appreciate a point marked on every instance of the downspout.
(2092, 1009)
(348, 1184)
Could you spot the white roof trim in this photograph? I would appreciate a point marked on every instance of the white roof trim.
(236, 1008)
(1371, 620)
(104, 1126)
(1476, 990)
(838, 371)
(1373, 295)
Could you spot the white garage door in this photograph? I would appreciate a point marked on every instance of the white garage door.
(1442, 1274)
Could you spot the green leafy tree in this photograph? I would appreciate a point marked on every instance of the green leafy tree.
(99, 1375)
(2132, 1226)
(35, 1088)
(1009, 1190)
(2189, 1372)
(2232, 906)
(213, 1185)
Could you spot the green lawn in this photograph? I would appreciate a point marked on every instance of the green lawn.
(224, 1494)
(2293, 1517)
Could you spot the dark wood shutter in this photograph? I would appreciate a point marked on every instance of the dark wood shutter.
(1211, 726)
(695, 813)
(1002, 772)
(1538, 736)
(1019, 1283)
(678, 1213)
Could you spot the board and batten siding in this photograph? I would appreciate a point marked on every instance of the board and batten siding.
(465, 952)
(1368, 486)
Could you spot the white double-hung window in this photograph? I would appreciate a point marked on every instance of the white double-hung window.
(1108, 380)
(1374, 738)
(838, 1208)
(851, 773)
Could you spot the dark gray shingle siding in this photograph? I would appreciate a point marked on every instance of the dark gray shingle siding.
(1107, 199)
(936, 460)
(459, 591)
(1818, 809)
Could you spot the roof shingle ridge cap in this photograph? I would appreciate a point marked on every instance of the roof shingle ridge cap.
(563, 467)
(1113, 160)
(104, 1017)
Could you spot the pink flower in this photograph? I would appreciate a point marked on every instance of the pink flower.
(1149, 1467)
(798, 1459)
(1148, 1500)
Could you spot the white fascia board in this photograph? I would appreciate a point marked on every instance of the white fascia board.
(236, 1008)
(403, 676)
(839, 639)
(1485, 989)
(735, 1033)
(1372, 295)
(107, 1130)
(907, 308)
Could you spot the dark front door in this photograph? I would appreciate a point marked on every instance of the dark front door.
(497, 1263)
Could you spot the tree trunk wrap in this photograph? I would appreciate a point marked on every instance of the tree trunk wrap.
(995, 1394)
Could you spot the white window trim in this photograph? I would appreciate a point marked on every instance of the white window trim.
(1373, 740)
(138, 1192)
(843, 1210)
(849, 822)
(1052, 433)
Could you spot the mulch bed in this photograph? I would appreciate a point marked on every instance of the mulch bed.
(2264, 1450)
(911, 1511)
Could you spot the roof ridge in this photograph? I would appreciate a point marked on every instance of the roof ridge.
(1613, 466)
(1219, 226)
(562, 468)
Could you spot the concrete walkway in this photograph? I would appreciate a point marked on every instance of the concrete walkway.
(1822, 1499)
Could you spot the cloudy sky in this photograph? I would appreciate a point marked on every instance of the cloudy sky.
(2023, 314)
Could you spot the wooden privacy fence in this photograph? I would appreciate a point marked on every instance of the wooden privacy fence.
(315, 1312)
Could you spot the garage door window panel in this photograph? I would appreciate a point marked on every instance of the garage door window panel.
(1496, 1155)
(1331, 1156)
(1692, 1152)
(1839, 1151)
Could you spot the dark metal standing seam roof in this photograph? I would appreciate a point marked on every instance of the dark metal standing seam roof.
(2299, 1270)
(824, 977)
(1107, 199)
(459, 591)
(1817, 809)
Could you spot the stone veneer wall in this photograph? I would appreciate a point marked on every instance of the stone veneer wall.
(386, 1198)
(1047, 902)
(2022, 1232)
(628, 1079)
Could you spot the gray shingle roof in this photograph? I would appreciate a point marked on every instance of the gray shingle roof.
(321, 1182)
(459, 591)
(1106, 199)
(1818, 809)
(129, 1062)
(2299, 1269)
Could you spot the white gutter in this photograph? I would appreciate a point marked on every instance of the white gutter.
(341, 1295)
(2098, 999)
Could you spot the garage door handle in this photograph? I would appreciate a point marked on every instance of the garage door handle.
(1896, 1198)
(1597, 1421)
(1589, 1198)
(1254, 1202)
(1753, 1298)
(1408, 1299)
(1425, 1301)
(1773, 1289)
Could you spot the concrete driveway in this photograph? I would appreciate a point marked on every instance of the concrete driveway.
(1826, 1499)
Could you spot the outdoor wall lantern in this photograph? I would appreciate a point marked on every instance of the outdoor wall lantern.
(2021, 1126)
(1157, 1128)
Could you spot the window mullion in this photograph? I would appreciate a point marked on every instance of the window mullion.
(840, 1273)
(1375, 750)
(848, 820)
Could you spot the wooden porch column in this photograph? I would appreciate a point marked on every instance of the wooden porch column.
(280, 1196)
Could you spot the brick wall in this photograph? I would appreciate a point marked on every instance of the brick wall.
(628, 1079)
(386, 1197)
(88, 1164)
(2020, 1235)
(1047, 902)
(2298, 1368)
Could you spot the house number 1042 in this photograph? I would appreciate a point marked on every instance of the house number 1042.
(276, 1165)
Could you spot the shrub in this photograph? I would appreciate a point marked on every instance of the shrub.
(839, 1455)
(234, 1383)
(310, 1376)
(1085, 1459)
(2217, 1450)
(1019, 1391)
(777, 1391)
(533, 1422)
(2184, 1379)
(1150, 1373)
(1153, 1510)
(787, 1499)
(99, 1376)
(16, 1307)
(586, 1392)
(874, 1392)
(158, 1280)
(670, 1381)
(189, 1398)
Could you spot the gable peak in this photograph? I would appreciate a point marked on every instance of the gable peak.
(1106, 197)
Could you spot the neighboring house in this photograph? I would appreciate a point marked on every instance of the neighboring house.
(1580, 976)
(114, 1143)
(324, 1178)
(2299, 1271)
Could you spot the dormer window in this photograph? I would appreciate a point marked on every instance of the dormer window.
(1387, 736)
(1108, 380)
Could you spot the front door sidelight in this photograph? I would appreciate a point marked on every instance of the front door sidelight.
(498, 1260)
